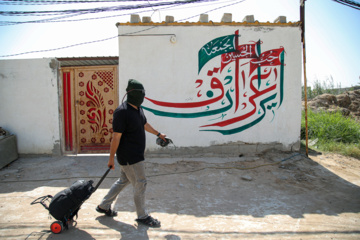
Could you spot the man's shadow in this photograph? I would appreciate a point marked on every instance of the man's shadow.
(127, 231)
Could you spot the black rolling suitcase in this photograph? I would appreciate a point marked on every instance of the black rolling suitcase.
(65, 205)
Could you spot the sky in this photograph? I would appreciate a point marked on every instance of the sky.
(332, 32)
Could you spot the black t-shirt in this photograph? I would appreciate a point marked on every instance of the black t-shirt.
(130, 122)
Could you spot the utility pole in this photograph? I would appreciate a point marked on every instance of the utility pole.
(302, 20)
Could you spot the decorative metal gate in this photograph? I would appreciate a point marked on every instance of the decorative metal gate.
(91, 96)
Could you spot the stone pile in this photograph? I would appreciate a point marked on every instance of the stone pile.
(348, 103)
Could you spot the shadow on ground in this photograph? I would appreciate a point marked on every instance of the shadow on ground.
(256, 185)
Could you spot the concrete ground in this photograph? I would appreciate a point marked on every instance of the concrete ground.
(270, 196)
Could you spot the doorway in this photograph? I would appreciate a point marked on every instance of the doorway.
(89, 98)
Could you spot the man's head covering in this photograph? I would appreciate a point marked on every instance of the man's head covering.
(135, 92)
(134, 84)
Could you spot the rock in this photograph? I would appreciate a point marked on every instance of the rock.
(354, 94)
(343, 100)
(355, 106)
(246, 178)
(345, 112)
(325, 100)
(347, 103)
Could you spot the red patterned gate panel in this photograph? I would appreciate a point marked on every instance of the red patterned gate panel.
(96, 100)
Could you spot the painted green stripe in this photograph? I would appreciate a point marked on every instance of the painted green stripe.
(216, 47)
(282, 60)
(259, 68)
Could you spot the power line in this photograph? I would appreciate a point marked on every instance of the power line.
(95, 10)
(185, 7)
(77, 12)
(55, 20)
(77, 44)
(349, 3)
(55, 49)
(154, 10)
(213, 10)
(49, 2)
(106, 39)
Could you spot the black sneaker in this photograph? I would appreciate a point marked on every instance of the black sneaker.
(150, 222)
(109, 212)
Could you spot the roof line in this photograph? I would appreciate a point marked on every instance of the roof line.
(87, 58)
(210, 23)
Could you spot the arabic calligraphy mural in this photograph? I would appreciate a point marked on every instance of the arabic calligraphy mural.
(237, 86)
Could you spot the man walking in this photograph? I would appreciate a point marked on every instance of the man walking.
(128, 142)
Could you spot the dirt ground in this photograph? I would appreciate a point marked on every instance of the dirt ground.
(274, 195)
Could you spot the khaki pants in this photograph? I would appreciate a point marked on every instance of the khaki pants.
(134, 174)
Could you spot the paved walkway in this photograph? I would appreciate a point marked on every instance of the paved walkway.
(253, 197)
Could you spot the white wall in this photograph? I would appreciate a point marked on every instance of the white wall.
(29, 105)
(169, 72)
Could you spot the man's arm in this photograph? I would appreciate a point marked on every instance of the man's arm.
(150, 129)
(113, 147)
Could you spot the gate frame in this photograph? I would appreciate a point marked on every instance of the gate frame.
(71, 134)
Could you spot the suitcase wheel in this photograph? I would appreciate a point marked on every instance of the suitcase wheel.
(57, 227)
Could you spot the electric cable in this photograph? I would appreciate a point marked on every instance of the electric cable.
(96, 10)
(56, 20)
(185, 7)
(74, 45)
(77, 12)
(49, 2)
(55, 49)
(213, 10)
(106, 39)
(165, 174)
(349, 3)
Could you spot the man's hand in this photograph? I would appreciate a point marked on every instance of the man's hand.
(162, 136)
(111, 163)
(113, 147)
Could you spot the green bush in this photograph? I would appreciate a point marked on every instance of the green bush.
(333, 132)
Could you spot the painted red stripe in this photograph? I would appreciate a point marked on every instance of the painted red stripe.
(66, 127)
(69, 111)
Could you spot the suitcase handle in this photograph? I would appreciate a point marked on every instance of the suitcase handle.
(42, 200)
(101, 179)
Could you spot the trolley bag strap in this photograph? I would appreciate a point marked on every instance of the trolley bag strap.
(101, 179)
